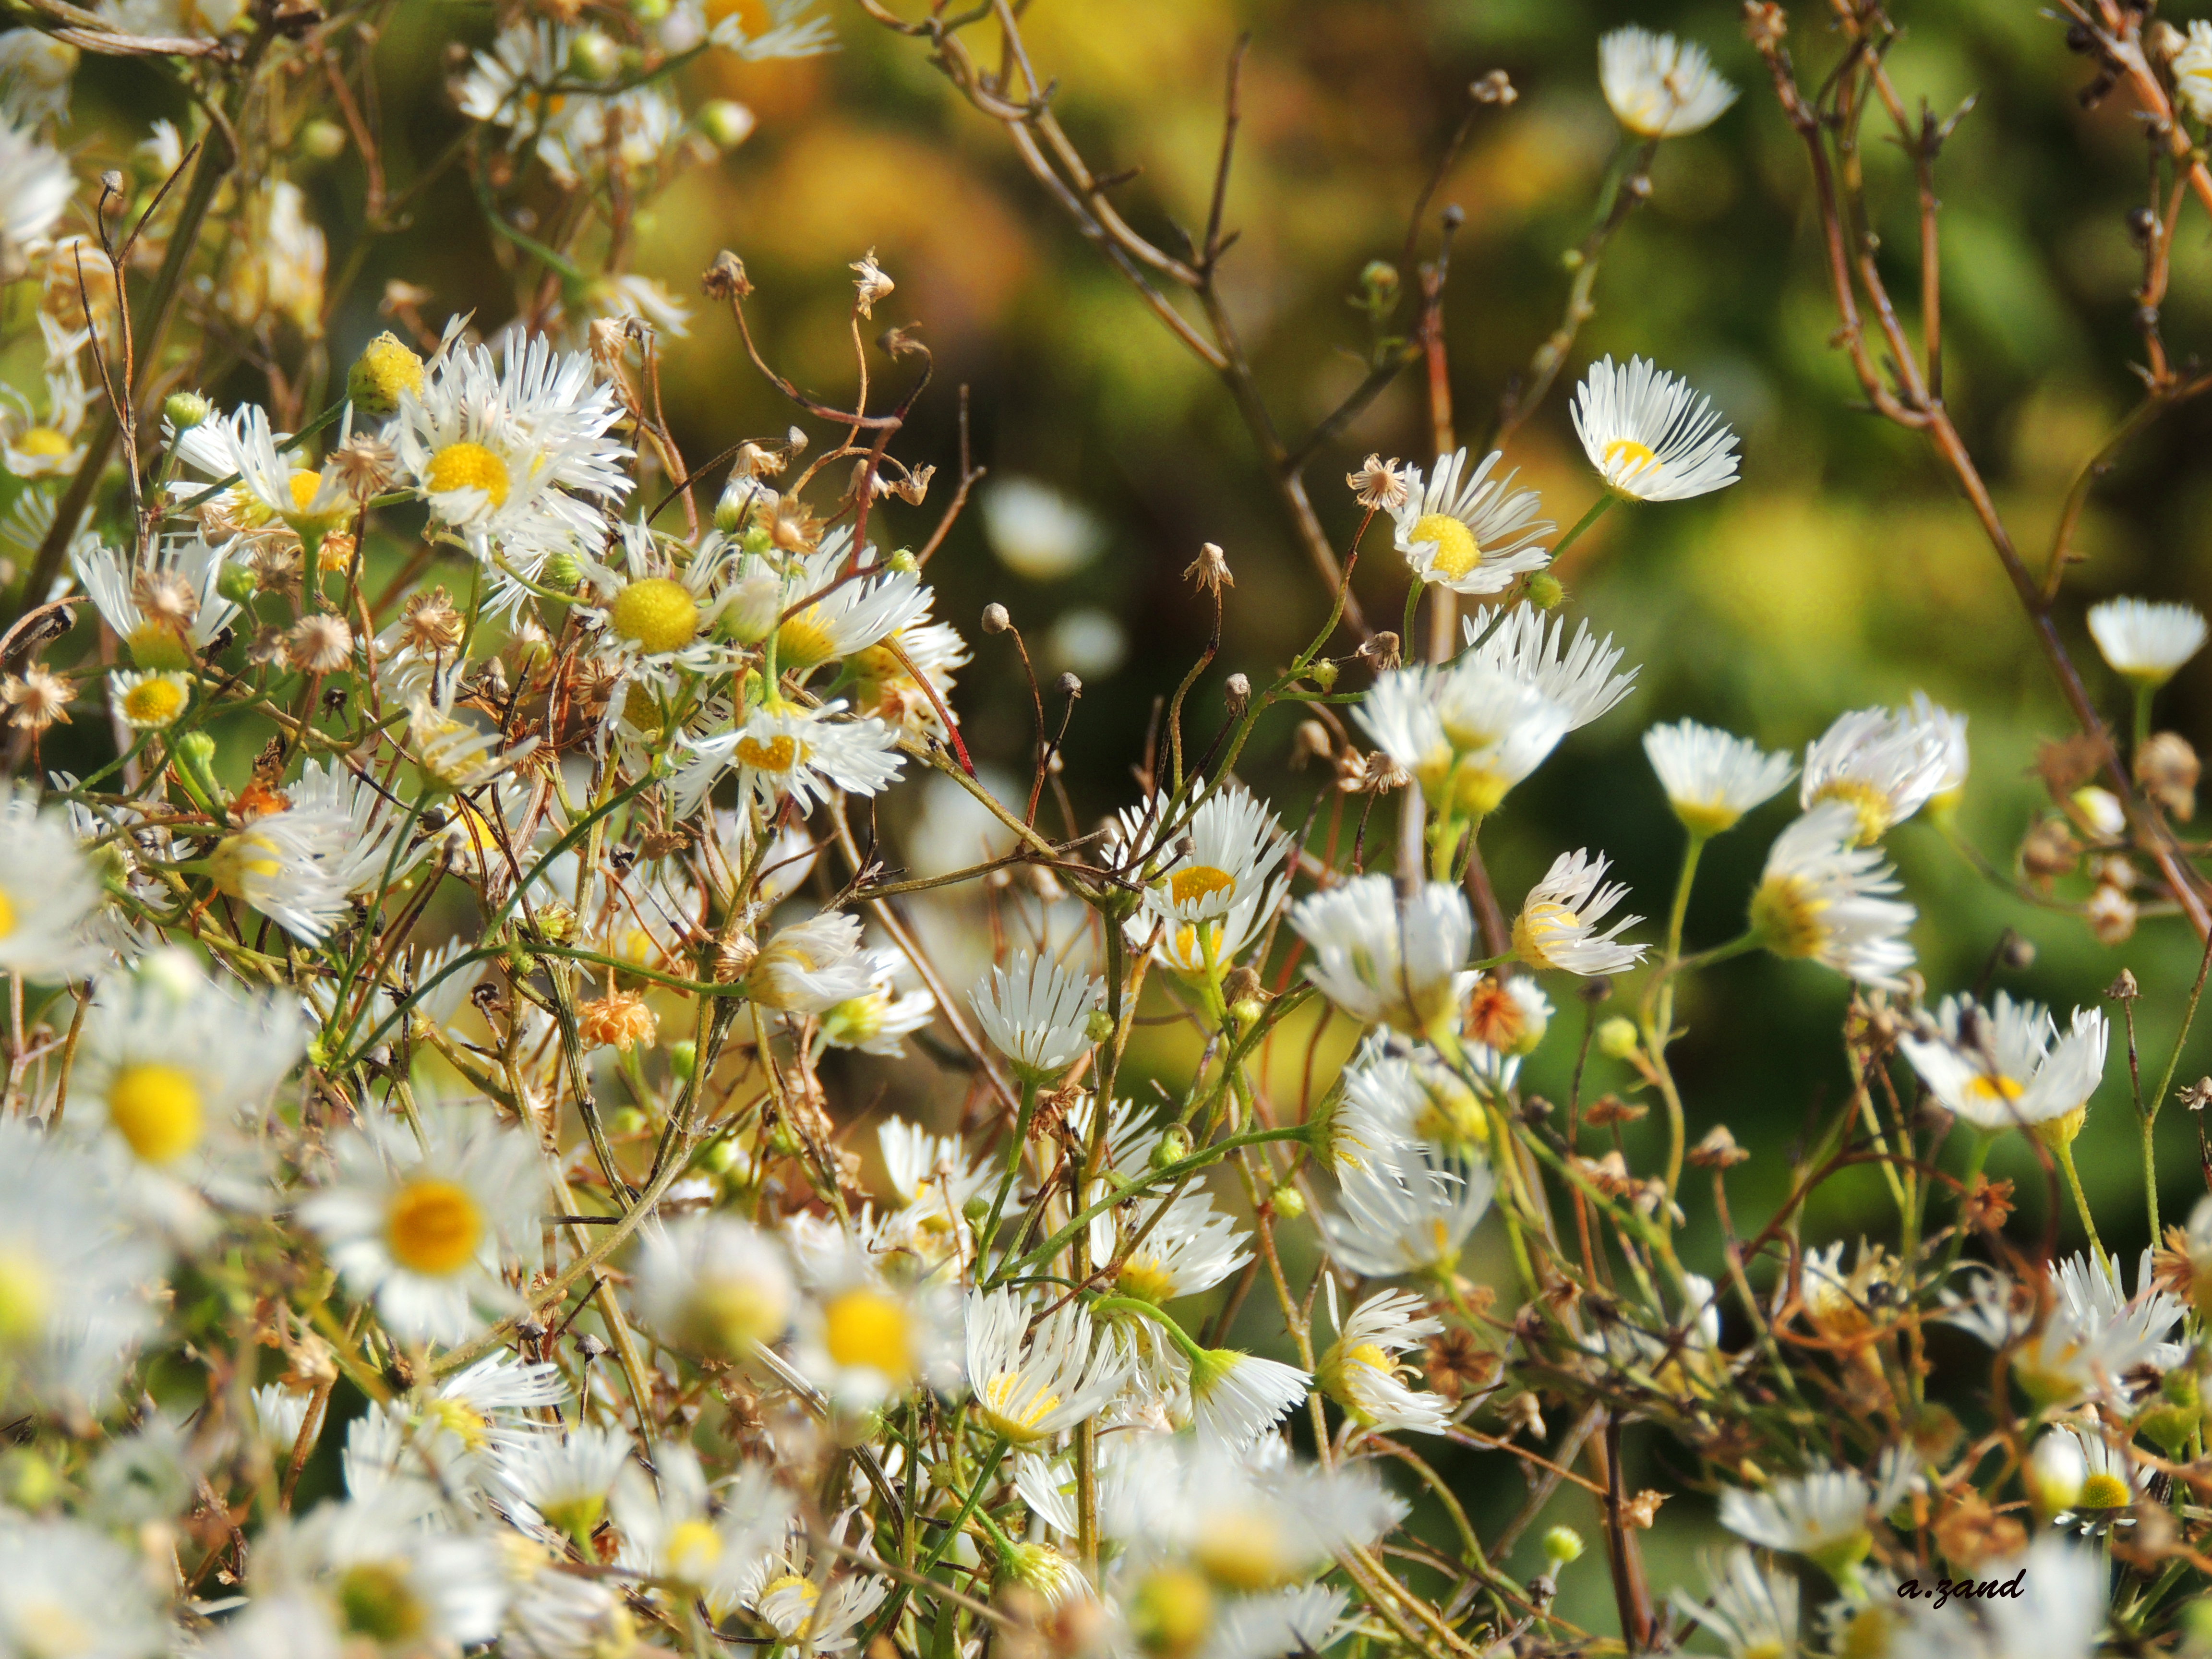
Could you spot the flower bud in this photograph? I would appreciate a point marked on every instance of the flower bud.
(1287, 1203)
(683, 1060)
(996, 619)
(561, 570)
(385, 369)
(323, 141)
(592, 56)
(1237, 694)
(193, 756)
(724, 123)
(185, 410)
(235, 582)
(1561, 1546)
(1545, 592)
(2056, 1470)
(1616, 1037)
(1322, 674)
(1172, 1147)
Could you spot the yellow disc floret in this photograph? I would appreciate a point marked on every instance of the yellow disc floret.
(384, 370)
(1787, 917)
(1198, 882)
(155, 700)
(1457, 550)
(1626, 460)
(156, 1108)
(43, 443)
(655, 614)
(432, 1226)
(1871, 805)
(467, 465)
(868, 1328)
(1538, 928)
(693, 1548)
(778, 754)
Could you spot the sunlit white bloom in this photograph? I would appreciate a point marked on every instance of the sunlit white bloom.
(1472, 537)
(552, 1614)
(1660, 86)
(1647, 437)
(505, 85)
(635, 132)
(1360, 1370)
(161, 608)
(1534, 648)
(1371, 1113)
(1404, 1215)
(811, 966)
(1235, 1397)
(1946, 731)
(48, 447)
(36, 71)
(2111, 1479)
(704, 1537)
(311, 502)
(2096, 1334)
(1884, 764)
(1753, 1608)
(2144, 641)
(779, 1589)
(1037, 1013)
(867, 1341)
(422, 1228)
(564, 1483)
(1468, 733)
(2063, 1590)
(1030, 1385)
(279, 1414)
(793, 29)
(1228, 852)
(150, 701)
(1036, 531)
(713, 1284)
(2192, 69)
(876, 1020)
(1712, 778)
(68, 1591)
(497, 1405)
(784, 751)
(2007, 1065)
(833, 615)
(337, 835)
(1191, 1247)
(35, 187)
(1821, 897)
(1382, 961)
(1557, 927)
(1822, 1516)
(48, 892)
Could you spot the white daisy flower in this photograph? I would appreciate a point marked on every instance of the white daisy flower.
(1884, 763)
(1228, 852)
(1404, 1215)
(35, 72)
(1189, 1248)
(148, 700)
(2145, 642)
(1998, 1067)
(2060, 1613)
(489, 1407)
(876, 1020)
(1822, 1516)
(1711, 777)
(561, 1484)
(1945, 731)
(1533, 648)
(1030, 1385)
(2112, 1480)
(1235, 1397)
(1646, 436)
(1384, 962)
(675, 1525)
(1361, 1372)
(1468, 733)
(716, 1285)
(1753, 1609)
(337, 836)
(1558, 921)
(453, 754)
(655, 613)
(2192, 69)
(552, 1614)
(779, 1589)
(422, 1228)
(164, 611)
(312, 503)
(48, 893)
(504, 85)
(810, 967)
(834, 617)
(1037, 1013)
(867, 1341)
(1660, 86)
(783, 751)
(35, 185)
(70, 1592)
(1371, 1113)
(634, 130)
(1475, 537)
(279, 1414)
(45, 448)
(1822, 898)
(2096, 1334)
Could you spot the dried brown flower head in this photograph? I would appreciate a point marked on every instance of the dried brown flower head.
(1607, 1109)
(870, 282)
(165, 597)
(36, 699)
(2110, 913)
(1641, 1510)
(1718, 1150)
(1209, 570)
(1379, 484)
(1494, 1014)
(1989, 1205)
(1969, 1532)
(320, 644)
(2167, 768)
(430, 624)
(2050, 849)
(1455, 1364)
(366, 464)
(620, 1020)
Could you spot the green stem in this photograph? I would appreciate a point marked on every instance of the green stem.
(2065, 1153)
(1597, 511)
(2143, 694)
(1013, 1167)
(1977, 1155)
(1413, 609)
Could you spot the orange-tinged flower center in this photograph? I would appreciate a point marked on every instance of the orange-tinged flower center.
(432, 1226)
(778, 754)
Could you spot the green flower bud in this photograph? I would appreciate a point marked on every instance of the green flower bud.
(1172, 1147)
(1617, 1038)
(1561, 1546)
(1545, 592)
(1322, 674)
(185, 410)
(1379, 277)
(903, 561)
(236, 583)
(592, 56)
(322, 141)
(683, 1061)
(1287, 1203)
(724, 123)
(2171, 1426)
(651, 11)
(561, 570)
(1099, 1026)
(626, 1120)
(193, 756)
(2180, 1388)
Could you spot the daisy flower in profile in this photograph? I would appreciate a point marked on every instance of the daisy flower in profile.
(1945, 732)
(1472, 537)
(705, 1538)
(783, 751)
(1037, 1013)
(1383, 962)
(1191, 1248)
(877, 1020)
(2145, 642)
(1370, 1114)
(2112, 1481)
(48, 892)
(1711, 777)
(779, 1589)
(2096, 1334)
(832, 617)
(1652, 437)
(716, 1285)
(1030, 1385)
(1822, 1516)
(1468, 733)
(164, 610)
(420, 1228)
(810, 967)
(2192, 69)
(1361, 1371)
(2006, 1066)
(293, 865)
(1753, 1609)
(1558, 921)
(1660, 86)
(1822, 897)
(1885, 763)
(1235, 1397)
(1404, 1215)
(1534, 649)
(310, 504)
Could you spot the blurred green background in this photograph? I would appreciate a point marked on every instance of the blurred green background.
(1843, 570)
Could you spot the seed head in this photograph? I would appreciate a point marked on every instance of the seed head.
(320, 644)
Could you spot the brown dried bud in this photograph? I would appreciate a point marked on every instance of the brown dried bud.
(1210, 569)
(1237, 692)
(37, 699)
(1495, 88)
(2122, 989)
(1641, 1510)
(1608, 1109)
(869, 281)
(996, 619)
(1069, 686)
(1969, 1532)
(1718, 1150)
(2198, 1095)
(366, 464)
(1455, 1364)
(2112, 914)
(166, 598)
(321, 643)
(1764, 23)
(1988, 1205)
(734, 960)
(2050, 849)
(1379, 484)
(1310, 742)
(2162, 41)
(2167, 768)
(1380, 652)
(726, 278)
(2065, 764)
(617, 1021)
(1242, 984)
(1495, 1016)
(430, 624)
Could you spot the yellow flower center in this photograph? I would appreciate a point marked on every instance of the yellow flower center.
(656, 614)
(236, 857)
(27, 1298)
(1992, 1088)
(1473, 790)
(157, 1109)
(804, 641)
(778, 754)
(304, 485)
(459, 1418)
(1171, 1613)
(1243, 1551)
(384, 370)
(1863, 799)
(377, 1602)
(1197, 882)
(1627, 460)
(1787, 917)
(1457, 552)
(157, 646)
(469, 466)
(432, 1226)
(1538, 928)
(155, 702)
(1146, 1280)
(44, 443)
(694, 1546)
(998, 1406)
(7, 915)
(868, 1328)
(2103, 1491)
